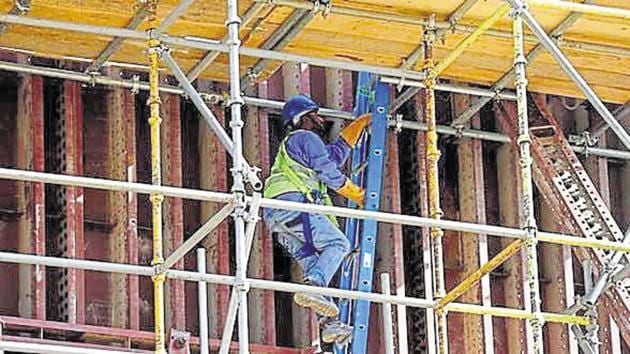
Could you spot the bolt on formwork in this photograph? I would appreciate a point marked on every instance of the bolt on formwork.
(238, 201)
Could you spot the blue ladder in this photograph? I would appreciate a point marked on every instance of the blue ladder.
(375, 97)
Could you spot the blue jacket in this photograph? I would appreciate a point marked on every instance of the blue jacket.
(307, 148)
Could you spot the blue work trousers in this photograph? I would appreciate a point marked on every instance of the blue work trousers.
(330, 244)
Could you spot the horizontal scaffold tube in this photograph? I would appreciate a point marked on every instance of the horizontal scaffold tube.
(328, 112)
(220, 197)
(10, 257)
(210, 45)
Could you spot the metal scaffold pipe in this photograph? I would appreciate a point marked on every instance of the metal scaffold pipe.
(222, 197)
(238, 173)
(156, 177)
(604, 11)
(203, 303)
(435, 212)
(194, 276)
(528, 223)
(328, 112)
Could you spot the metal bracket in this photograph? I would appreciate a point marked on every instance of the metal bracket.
(24, 6)
(397, 122)
(322, 6)
(179, 342)
(93, 75)
(518, 7)
(135, 84)
(584, 140)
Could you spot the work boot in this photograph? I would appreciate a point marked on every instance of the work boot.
(319, 303)
(332, 330)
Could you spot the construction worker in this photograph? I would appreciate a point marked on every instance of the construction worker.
(304, 169)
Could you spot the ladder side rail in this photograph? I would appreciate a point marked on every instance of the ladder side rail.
(347, 276)
(374, 182)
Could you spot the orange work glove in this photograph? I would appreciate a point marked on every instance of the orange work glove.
(352, 192)
(352, 132)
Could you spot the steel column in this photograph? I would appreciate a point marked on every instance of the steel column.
(516, 293)
(472, 205)
(117, 212)
(173, 220)
(557, 291)
(32, 226)
(73, 119)
(528, 222)
(389, 245)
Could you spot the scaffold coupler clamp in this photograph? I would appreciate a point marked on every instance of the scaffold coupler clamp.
(398, 121)
(93, 75)
(401, 82)
(459, 131)
(322, 6)
(584, 140)
(517, 8)
(23, 6)
(135, 84)
(160, 49)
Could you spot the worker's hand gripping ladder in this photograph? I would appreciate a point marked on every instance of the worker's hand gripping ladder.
(368, 159)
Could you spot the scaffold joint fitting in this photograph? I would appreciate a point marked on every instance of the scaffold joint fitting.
(135, 84)
(518, 7)
(156, 198)
(24, 6)
(241, 285)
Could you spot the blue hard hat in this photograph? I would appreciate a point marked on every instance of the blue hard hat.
(297, 107)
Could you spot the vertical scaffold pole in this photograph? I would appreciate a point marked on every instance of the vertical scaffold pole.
(156, 176)
(238, 188)
(528, 221)
(432, 158)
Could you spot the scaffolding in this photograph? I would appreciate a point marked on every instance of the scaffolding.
(244, 206)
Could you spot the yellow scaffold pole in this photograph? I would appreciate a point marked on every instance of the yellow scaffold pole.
(156, 177)
(432, 157)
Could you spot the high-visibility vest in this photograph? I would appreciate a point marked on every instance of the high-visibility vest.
(288, 175)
